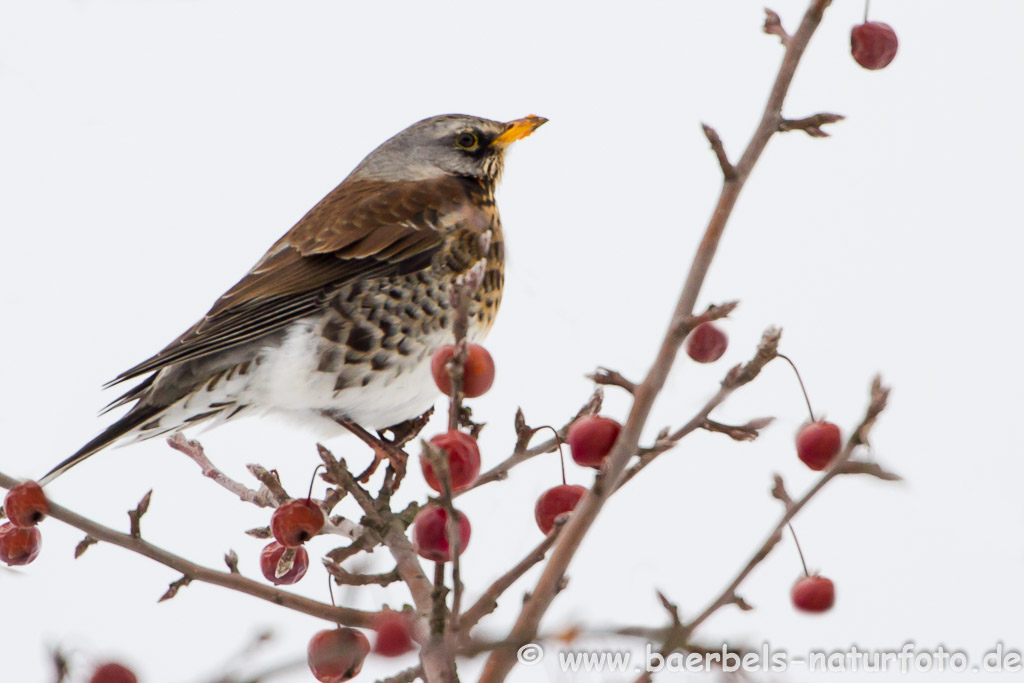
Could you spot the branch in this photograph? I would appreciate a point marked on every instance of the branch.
(135, 516)
(270, 481)
(195, 451)
(346, 578)
(747, 432)
(728, 170)
(524, 433)
(810, 125)
(737, 376)
(391, 530)
(606, 377)
(341, 615)
(879, 395)
(773, 26)
(501, 662)
(488, 602)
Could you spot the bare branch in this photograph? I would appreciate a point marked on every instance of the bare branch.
(411, 674)
(728, 596)
(195, 451)
(231, 560)
(811, 124)
(779, 492)
(175, 586)
(747, 432)
(340, 615)
(607, 377)
(271, 481)
(389, 526)
(869, 468)
(135, 516)
(738, 376)
(728, 170)
(773, 26)
(521, 453)
(488, 602)
(83, 545)
(346, 578)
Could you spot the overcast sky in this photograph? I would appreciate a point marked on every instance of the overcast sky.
(150, 152)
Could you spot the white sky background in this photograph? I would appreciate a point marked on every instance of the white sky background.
(152, 151)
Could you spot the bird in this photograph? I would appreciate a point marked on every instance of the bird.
(340, 317)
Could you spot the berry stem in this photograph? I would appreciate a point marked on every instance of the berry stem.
(330, 589)
(801, 380)
(867, 5)
(312, 480)
(801, 552)
(558, 442)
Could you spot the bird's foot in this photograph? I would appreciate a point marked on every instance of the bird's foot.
(383, 449)
(404, 432)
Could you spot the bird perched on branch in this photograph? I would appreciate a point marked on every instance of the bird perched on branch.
(339, 318)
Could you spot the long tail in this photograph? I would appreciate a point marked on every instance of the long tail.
(135, 417)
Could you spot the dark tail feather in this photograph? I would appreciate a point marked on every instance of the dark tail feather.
(135, 417)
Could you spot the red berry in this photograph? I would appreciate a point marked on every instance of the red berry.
(873, 44)
(271, 557)
(478, 371)
(591, 439)
(429, 533)
(113, 672)
(706, 343)
(337, 655)
(26, 504)
(817, 444)
(19, 545)
(813, 594)
(394, 634)
(463, 460)
(296, 522)
(555, 502)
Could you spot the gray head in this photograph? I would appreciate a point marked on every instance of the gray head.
(453, 144)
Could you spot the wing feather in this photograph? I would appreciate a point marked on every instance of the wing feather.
(361, 229)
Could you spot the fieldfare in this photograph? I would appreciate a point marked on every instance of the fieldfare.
(340, 317)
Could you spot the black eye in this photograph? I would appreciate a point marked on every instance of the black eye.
(466, 140)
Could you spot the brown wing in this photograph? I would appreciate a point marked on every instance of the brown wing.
(361, 229)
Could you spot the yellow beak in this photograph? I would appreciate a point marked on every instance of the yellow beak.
(518, 129)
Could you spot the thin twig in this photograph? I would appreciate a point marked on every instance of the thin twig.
(195, 451)
(812, 125)
(728, 170)
(345, 578)
(607, 377)
(521, 453)
(341, 615)
(271, 481)
(135, 516)
(488, 602)
(877, 403)
(390, 527)
(737, 377)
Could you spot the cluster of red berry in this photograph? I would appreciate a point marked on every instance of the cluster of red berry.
(20, 540)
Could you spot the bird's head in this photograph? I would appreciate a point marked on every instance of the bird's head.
(453, 144)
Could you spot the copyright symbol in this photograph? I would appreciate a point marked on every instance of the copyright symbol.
(531, 653)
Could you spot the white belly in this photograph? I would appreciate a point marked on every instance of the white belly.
(288, 382)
